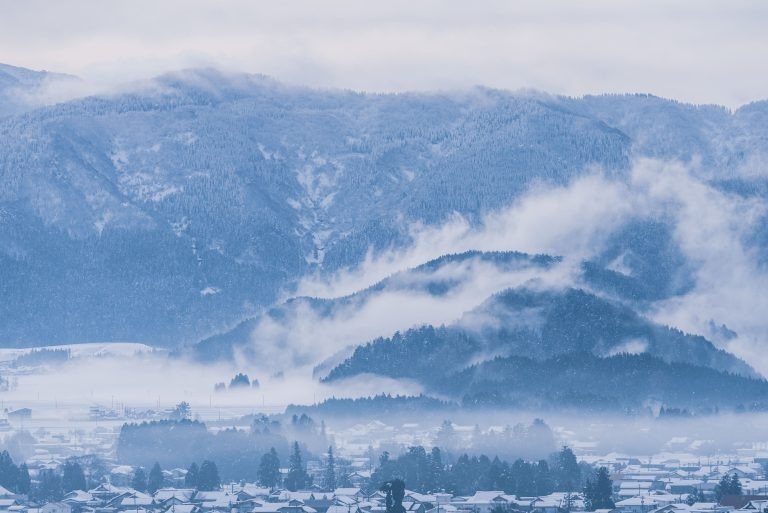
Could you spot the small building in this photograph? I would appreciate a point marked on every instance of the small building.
(56, 507)
(20, 414)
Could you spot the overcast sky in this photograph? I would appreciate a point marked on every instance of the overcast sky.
(698, 51)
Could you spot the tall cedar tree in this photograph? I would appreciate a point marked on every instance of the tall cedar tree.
(9, 472)
(329, 477)
(139, 481)
(73, 477)
(599, 494)
(208, 478)
(269, 469)
(48, 488)
(25, 482)
(155, 480)
(297, 478)
(192, 478)
(567, 471)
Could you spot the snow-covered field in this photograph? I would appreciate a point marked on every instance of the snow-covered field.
(86, 350)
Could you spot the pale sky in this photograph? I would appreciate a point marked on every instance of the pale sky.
(697, 51)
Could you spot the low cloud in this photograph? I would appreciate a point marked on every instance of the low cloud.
(710, 227)
(707, 52)
(306, 336)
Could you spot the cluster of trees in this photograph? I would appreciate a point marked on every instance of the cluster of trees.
(204, 478)
(42, 357)
(239, 381)
(426, 471)
(51, 484)
(728, 485)
(598, 494)
(14, 478)
(381, 404)
(554, 364)
(175, 443)
(151, 483)
(297, 478)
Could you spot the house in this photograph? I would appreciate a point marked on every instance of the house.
(740, 501)
(175, 495)
(292, 506)
(359, 477)
(673, 508)
(6, 504)
(121, 475)
(218, 500)
(249, 492)
(106, 492)
(182, 508)
(347, 492)
(545, 506)
(639, 504)
(709, 507)
(134, 501)
(78, 498)
(683, 486)
(759, 506)
(340, 508)
(56, 507)
(483, 501)
(20, 414)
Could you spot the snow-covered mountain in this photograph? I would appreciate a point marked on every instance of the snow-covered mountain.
(175, 209)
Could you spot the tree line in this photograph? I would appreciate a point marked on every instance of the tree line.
(426, 472)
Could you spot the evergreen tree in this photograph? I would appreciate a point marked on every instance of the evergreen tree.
(542, 478)
(269, 469)
(240, 380)
(567, 471)
(73, 477)
(329, 477)
(192, 478)
(723, 487)
(599, 494)
(155, 480)
(48, 488)
(446, 436)
(523, 476)
(139, 481)
(182, 411)
(436, 469)
(24, 482)
(728, 485)
(297, 477)
(208, 478)
(735, 488)
(9, 472)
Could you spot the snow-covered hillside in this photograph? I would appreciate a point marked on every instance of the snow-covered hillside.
(173, 211)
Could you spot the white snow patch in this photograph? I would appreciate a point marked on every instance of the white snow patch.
(187, 138)
(87, 350)
(631, 346)
(119, 159)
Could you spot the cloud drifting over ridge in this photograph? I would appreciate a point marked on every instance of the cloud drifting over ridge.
(709, 52)
(709, 226)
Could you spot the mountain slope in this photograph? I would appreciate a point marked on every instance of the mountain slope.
(171, 211)
(439, 278)
(586, 382)
(538, 325)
